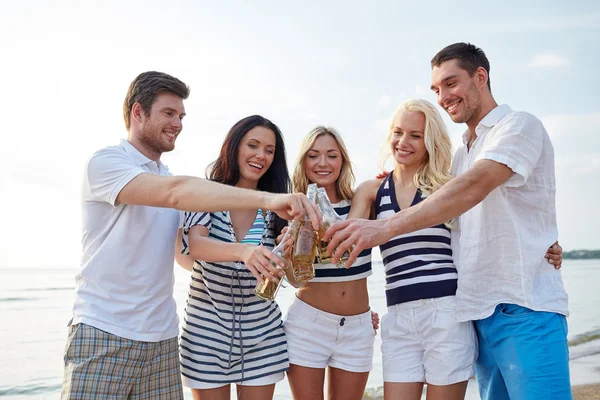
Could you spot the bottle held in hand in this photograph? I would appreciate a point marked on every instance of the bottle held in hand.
(267, 290)
(305, 245)
(329, 218)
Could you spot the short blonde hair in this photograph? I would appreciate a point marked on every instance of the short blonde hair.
(435, 170)
(345, 181)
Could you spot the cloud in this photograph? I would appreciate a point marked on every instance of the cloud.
(548, 60)
(420, 91)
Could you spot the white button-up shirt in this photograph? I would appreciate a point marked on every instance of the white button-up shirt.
(125, 286)
(499, 245)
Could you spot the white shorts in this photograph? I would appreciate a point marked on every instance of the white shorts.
(262, 381)
(423, 342)
(318, 339)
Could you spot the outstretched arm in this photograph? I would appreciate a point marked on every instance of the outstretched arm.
(454, 198)
(188, 193)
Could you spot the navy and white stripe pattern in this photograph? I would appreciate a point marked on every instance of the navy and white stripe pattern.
(229, 334)
(359, 270)
(417, 265)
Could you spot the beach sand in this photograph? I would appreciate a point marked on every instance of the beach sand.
(586, 392)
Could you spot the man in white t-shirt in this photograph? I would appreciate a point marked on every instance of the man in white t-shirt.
(503, 199)
(122, 340)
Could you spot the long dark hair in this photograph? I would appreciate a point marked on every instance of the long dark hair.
(226, 169)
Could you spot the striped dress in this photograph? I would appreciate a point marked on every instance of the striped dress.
(361, 267)
(418, 265)
(229, 335)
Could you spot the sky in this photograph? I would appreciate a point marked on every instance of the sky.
(66, 66)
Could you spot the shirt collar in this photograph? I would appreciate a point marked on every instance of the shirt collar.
(137, 156)
(491, 119)
(494, 116)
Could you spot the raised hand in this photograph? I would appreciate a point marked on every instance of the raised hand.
(294, 206)
(354, 235)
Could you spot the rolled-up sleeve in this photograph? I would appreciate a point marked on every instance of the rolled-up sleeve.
(516, 142)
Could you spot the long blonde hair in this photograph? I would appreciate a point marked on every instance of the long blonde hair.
(345, 181)
(435, 170)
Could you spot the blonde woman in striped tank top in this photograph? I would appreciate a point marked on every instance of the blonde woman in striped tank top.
(329, 325)
(422, 341)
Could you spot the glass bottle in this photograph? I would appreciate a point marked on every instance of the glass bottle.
(329, 218)
(305, 244)
(267, 290)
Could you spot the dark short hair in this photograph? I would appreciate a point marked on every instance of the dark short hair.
(146, 86)
(470, 57)
(226, 169)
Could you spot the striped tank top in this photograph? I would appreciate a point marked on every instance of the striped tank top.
(229, 334)
(361, 267)
(418, 265)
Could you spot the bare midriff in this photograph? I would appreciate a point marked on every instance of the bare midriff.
(340, 298)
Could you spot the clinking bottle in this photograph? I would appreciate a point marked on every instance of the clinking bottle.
(329, 218)
(267, 290)
(305, 244)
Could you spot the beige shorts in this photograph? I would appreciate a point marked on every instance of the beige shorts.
(423, 342)
(317, 339)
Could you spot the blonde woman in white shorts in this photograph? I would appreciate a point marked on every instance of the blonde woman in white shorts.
(422, 342)
(329, 326)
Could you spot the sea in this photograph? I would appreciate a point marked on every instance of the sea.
(35, 306)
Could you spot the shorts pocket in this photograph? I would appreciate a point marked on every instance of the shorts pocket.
(513, 310)
(565, 326)
(448, 304)
(384, 325)
(73, 331)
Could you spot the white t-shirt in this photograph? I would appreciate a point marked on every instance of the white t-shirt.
(125, 286)
(499, 245)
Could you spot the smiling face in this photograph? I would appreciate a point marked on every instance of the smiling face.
(255, 155)
(323, 161)
(457, 92)
(407, 138)
(160, 128)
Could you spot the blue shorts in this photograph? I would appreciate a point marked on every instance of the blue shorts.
(523, 355)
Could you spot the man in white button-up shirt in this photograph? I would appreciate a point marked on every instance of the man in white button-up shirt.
(503, 199)
(122, 339)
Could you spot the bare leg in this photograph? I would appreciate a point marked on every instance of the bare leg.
(255, 392)
(306, 383)
(220, 393)
(345, 384)
(447, 392)
(402, 390)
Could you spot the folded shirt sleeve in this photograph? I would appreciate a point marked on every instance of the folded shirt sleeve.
(516, 142)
